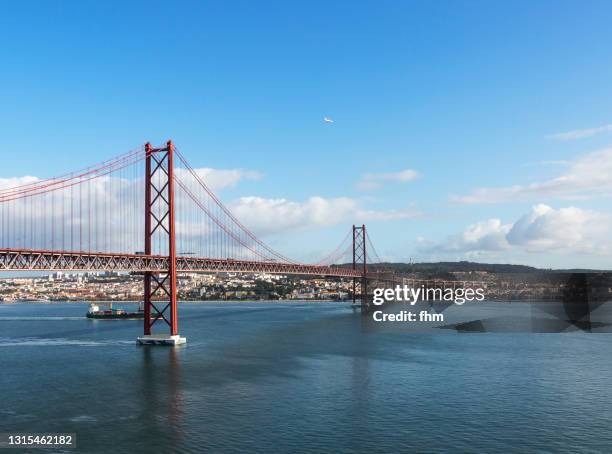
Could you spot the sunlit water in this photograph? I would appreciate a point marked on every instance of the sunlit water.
(270, 377)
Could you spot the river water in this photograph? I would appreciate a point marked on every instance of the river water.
(300, 377)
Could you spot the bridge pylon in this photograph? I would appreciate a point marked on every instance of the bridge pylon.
(360, 264)
(160, 301)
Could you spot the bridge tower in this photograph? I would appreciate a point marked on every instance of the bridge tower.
(160, 303)
(360, 263)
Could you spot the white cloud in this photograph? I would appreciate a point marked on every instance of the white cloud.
(6, 183)
(580, 133)
(266, 216)
(488, 235)
(543, 229)
(371, 181)
(588, 175)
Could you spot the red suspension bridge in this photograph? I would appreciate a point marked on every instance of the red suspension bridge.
(148, 211)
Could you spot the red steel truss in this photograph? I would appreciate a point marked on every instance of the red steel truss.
(32, 260)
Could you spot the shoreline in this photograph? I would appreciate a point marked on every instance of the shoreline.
(314, 301)
(181, 301)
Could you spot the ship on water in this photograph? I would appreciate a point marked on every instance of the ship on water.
(114, 313)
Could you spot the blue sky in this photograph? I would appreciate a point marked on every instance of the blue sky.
(467, 95)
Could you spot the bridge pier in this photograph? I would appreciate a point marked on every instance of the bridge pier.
(161, 339)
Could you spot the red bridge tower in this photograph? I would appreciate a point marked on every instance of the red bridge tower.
(160, 304)
(360, 261)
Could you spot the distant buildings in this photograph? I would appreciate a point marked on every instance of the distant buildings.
(63, 286)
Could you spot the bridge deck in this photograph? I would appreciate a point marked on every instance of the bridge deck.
(28, 260)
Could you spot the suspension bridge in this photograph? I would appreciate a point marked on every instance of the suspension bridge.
(149, 211)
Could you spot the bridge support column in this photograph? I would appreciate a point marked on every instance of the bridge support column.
(160, 301)
(360, 263)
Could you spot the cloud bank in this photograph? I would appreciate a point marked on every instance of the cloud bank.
(265, 216)
(543, 229)
(585, 177)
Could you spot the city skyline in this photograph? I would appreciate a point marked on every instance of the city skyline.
(438, 142)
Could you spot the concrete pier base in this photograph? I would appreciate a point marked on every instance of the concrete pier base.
(161, 339)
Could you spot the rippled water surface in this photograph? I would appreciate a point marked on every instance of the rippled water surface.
(270, 377)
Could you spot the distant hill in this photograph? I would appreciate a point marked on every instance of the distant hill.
(440, 268)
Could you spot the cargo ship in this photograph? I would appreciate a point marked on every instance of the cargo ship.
(113, 314)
